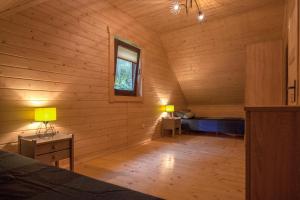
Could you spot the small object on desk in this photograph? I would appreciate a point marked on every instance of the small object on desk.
(171, 123)
(48, 149)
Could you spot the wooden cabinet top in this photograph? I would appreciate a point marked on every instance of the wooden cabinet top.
(47, 139)
(273, 108)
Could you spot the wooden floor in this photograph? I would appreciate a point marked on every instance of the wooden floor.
(184, 167)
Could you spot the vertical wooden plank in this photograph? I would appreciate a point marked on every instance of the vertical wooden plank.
(248, 155)
(265, 80)
(293, 55)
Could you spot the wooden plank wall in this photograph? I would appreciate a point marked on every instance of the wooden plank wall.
(56, 54)
(218, 110)
(209, 59)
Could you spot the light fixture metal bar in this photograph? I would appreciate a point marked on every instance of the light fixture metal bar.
(197, 5)
(188, 5)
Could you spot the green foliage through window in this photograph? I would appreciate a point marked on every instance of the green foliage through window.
(127, 59)
(125, 75)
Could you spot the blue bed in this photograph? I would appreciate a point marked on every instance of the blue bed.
(232, 126)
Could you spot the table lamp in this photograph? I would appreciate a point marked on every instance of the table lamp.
(45, 115)
(170, 109)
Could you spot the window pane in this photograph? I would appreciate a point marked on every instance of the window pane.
(125, 75)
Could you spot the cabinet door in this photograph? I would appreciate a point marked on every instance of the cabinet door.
(265, 74)
(273, 154)
(293, 52)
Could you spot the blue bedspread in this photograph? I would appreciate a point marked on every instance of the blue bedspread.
(235, 126)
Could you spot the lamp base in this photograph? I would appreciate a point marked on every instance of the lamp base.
(48, 132)
(171, 115)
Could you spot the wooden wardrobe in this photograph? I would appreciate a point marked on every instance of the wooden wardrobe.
(272, 129)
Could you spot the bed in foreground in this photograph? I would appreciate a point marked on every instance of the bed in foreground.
(25, 178)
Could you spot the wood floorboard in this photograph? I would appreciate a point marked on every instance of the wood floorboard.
(184, 167)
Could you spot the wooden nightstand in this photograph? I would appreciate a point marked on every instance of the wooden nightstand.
(171, 124)
(48, 150)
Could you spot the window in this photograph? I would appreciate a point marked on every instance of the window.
(127, 71)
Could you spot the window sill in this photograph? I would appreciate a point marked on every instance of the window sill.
(115, 99)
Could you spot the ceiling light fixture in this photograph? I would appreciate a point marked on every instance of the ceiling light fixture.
(176, 7)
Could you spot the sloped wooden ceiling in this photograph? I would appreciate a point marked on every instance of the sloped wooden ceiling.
(209, 59)
(9, 7)
(10, 4)
(156, 13)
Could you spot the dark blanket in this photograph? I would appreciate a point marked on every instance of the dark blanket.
(24, 178)
(231, 126)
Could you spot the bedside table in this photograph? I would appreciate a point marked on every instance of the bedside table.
(48, 150)
(171, 124)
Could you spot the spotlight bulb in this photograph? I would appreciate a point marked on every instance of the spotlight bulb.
(175, 8)
(201, 16)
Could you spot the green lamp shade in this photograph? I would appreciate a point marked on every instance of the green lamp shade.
(45, 114)
(170, 108)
